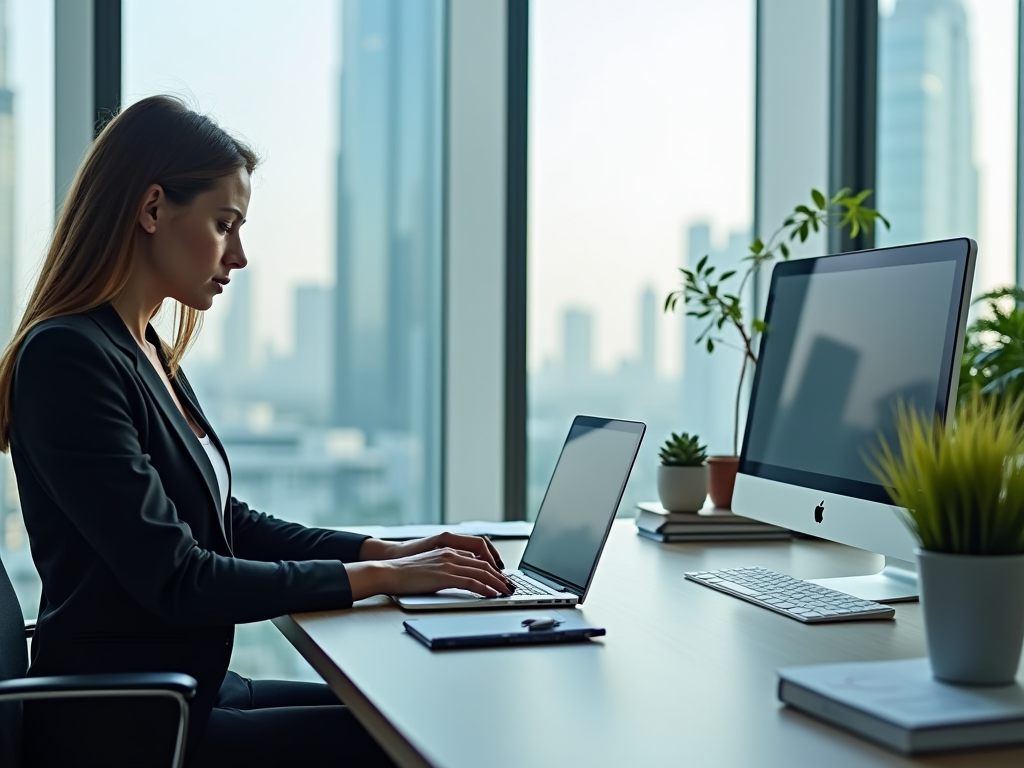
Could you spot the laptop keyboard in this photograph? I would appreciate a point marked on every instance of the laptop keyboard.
(524, 586)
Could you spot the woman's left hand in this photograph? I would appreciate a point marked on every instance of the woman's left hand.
(478, 546)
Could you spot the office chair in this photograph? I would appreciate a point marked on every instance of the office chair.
(15, 687)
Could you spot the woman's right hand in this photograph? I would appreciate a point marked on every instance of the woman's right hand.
(427, 572)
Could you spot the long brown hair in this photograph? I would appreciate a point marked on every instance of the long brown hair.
(158, 140)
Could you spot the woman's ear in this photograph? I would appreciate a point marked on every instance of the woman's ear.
(152, 207)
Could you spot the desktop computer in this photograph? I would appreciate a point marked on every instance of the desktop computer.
(848, 337)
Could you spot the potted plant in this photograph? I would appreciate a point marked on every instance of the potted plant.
(961, 491)
(683, 474)
(993, 358)
(711, 298)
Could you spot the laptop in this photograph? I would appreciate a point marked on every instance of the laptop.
(572, 525)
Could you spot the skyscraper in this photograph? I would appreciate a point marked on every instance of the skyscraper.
(648, 332)
(927, 179)
(388, 300)
(577, 342)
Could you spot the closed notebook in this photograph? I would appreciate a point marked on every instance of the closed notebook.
(900, 705)
(469, 630)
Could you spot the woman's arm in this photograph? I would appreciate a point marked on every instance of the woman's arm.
(258, 536)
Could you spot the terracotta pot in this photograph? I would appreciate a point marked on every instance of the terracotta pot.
(722, 479)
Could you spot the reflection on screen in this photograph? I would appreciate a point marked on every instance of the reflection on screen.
(581, 500)
(836, 364)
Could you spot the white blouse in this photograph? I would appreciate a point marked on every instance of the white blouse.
(220, 469)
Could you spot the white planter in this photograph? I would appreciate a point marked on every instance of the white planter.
(682, 489)
(973, 615)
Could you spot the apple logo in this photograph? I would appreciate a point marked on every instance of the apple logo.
(819, 512)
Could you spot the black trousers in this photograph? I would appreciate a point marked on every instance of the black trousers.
(257, 723)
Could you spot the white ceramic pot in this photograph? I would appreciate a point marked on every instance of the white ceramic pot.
(973, 615)
(682, 489)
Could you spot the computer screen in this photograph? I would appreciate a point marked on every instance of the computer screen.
(849, 336)
(846, 346)
(582, 498)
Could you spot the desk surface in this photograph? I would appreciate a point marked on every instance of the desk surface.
(685, 672)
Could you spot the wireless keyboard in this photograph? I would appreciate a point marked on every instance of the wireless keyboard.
(795, 598)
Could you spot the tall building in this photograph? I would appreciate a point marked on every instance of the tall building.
(710, 381)
(648, 332)
(577, 342)
(388, 308)
(927, 179)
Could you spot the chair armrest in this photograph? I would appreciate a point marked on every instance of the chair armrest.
(30, 627)
(139, 682)
(170, 685)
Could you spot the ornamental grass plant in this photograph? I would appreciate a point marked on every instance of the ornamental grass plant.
(962, 487)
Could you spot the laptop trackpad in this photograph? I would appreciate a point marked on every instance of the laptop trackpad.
(447, 596)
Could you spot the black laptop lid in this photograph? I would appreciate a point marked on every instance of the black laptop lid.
(582, 498)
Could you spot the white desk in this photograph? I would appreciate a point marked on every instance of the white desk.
(686, 675)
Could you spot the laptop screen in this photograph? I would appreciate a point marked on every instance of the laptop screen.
(582, 499)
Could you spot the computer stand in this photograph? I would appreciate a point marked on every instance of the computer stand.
(895, 583)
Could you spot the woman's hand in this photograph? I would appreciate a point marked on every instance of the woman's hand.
(426, 572)
(480, 547)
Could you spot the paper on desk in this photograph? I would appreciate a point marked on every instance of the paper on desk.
(510, 529)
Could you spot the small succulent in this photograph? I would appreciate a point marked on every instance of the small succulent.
(683, 451)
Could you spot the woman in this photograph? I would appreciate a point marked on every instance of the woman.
(147, 562)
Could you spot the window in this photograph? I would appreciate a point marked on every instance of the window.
(321, 369)
(947, 145)
(641, 142)
(26, 221)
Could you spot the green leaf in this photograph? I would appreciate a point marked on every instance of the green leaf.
(701, 263)
(819, 199)
(861, 196)
(726, 275)
(804, 209)
(757, 247)
(759, 326)
(785, 250)
(840, 195)
(711, 345)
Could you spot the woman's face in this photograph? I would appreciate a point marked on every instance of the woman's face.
(193, 248)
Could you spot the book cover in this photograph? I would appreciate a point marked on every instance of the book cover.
(707, 514)
(900, 705)
(719, 536)
(653, 518)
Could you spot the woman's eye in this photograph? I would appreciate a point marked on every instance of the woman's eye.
(224, 226)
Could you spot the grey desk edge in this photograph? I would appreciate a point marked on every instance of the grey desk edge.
(395, 744)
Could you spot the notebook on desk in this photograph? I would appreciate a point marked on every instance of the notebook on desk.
(572, 525)
(901, 705)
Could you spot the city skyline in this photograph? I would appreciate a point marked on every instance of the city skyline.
(927, 177)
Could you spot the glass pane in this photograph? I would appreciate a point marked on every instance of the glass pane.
(641, 161)
(947, 145)
(26, 220)
(320, 366)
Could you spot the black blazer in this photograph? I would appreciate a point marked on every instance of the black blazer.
(139, 571)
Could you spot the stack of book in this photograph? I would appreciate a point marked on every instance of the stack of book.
(709, 524)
